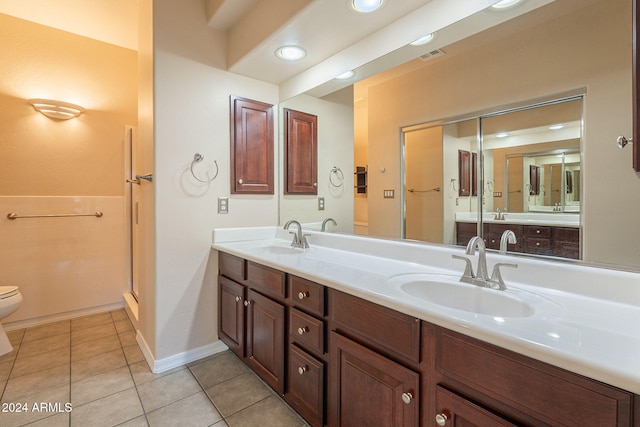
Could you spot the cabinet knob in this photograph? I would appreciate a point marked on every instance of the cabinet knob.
(407, 398)
(623, 142)
(537, 231)
(315, 184)
(442, 418)
(303, 295)
(238, 299)
(302, 369)
(537, 243)
(246, 303)
(302, 330)
(240, 181)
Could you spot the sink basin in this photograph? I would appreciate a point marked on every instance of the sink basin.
(280, 250)
(448, 291)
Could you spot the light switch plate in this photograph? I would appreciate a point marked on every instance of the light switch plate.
(389, 194)
(223, 205)
(320, 203)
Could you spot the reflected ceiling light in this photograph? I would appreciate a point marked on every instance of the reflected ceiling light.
(56, 109)
(502, 135)
(423, 40)
(556, 127)
(291, 53)
(366, 6)
(505, 4)
(346, 75)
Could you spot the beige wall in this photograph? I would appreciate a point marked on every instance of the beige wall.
(592, 50)
(63, 265)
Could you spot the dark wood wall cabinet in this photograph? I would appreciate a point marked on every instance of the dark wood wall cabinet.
(339, 360)
(252, 149)
(300, 152)
(555, 241)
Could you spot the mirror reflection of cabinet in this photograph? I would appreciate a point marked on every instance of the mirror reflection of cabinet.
(251, 147)
(464, 173)
(534, 180)
(300, 152)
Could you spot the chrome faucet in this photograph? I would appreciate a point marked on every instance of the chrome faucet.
(507, 237)
(299, 239)
(482, 279)
(324, 223)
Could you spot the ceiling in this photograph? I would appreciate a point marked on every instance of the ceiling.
(336, 38)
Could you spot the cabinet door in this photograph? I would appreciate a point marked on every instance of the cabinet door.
(300, 153)
(265, 339)
(455, 411)
(368, 389)
(251, 147)
(231, 314)
(305, 391)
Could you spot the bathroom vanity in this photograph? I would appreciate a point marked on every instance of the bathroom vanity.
(341, 335)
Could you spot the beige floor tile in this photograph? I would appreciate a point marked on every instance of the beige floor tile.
(207, 359)
(238, 393)
(5, 369)
(59, 420)
(41, 362)
(123, 325)
(44, 345)
(11, 355)
(90, 321)
(44, 331)
(15, 337)
(142, 374)
(36, 382)
(140, 421)
(99, 386)
(268, 412)
(133, 354)
(119, 315)
(109, 411)
(195, 410)
(92, 333)
(98, 364)
(128, 338)
(167, 389)
(94, 347)
(218, 370)
(31, 409)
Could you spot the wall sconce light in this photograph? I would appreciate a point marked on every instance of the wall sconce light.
(56, 109)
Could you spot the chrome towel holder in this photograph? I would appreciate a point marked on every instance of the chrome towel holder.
(339, 176)
(197, 158)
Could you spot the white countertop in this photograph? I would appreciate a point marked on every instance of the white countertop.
(587, 321)
(557, 219)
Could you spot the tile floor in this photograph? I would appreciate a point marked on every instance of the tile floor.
(93, 366)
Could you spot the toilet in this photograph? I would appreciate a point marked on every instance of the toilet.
(10, 299)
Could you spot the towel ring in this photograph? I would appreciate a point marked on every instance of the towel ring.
(339, 176)
(197, 158)
(453, 184)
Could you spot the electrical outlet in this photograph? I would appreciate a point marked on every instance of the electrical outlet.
(223, 205)
(320, 203)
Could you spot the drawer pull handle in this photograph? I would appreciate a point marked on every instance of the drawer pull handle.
(442, 418)
(407, 398)
(302, 369)
(537, 243)
(537, 231)
(303, 295)
(301, 331)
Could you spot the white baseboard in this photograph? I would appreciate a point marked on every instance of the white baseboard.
(162, 365)
(37, 321)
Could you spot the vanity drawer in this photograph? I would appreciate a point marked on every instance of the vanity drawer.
(266, 279)
(231, 266)
(566, 234)
(537, 246)
(307, 295)
(501, 228)
(537, 231)
(552, 396)
(306, 330)
(305, 391)
(389, 331)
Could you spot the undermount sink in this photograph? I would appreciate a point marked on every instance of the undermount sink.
(280, 250)
(450, 292)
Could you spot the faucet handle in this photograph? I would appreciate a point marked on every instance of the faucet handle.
(295, 241)
(496, 281)
(304, 243)
(468, 275)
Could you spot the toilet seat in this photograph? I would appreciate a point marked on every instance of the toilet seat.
(8, 291)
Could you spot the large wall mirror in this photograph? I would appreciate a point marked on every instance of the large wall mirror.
(548, 54)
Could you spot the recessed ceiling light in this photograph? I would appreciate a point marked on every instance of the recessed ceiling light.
(366, 6)
(291, 53)
(502, 135)
(423, 40)
(556, 127)
(346, 75)
(504, 4)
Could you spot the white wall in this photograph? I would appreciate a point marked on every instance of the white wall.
(191, 100)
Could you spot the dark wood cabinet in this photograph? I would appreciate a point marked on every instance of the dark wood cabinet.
(252, 149)
(306, 391)
(456, 411)
(300, 152)
(636, 87)
(231, 314)
(464, 173)
(368, 389)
